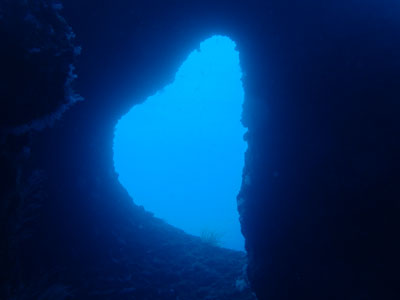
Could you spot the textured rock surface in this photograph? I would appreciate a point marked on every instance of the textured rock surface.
(319, 204)
(37, 64)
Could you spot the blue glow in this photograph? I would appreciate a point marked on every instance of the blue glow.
(180, 154)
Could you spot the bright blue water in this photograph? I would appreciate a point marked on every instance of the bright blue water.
(180, 154)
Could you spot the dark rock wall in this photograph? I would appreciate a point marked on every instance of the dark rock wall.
(321, 211)
(37, 57)
(37, 65)
(320, 200)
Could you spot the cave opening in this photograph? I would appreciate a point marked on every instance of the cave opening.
(180, 153)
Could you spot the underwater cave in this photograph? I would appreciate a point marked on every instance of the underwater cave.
(140, 158)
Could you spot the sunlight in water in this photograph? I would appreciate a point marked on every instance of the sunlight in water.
(180, 154)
